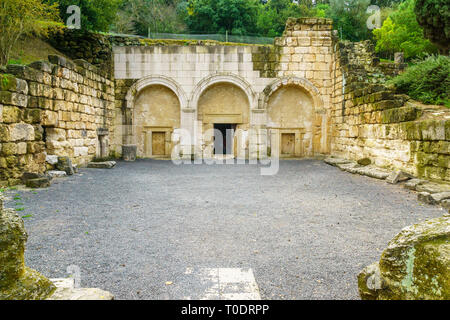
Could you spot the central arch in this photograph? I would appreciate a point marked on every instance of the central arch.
(223, 104)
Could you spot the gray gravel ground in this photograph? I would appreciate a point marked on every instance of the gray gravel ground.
(305, 232)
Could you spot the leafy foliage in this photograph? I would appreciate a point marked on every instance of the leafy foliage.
(401, 32)
(350, 18)
(427, 81)
(19, 18)
(434, 17)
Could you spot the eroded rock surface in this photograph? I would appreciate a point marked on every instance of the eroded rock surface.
(415, 265)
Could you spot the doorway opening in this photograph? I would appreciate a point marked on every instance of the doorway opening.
(223, 138)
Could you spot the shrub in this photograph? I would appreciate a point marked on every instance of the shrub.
(427, 81)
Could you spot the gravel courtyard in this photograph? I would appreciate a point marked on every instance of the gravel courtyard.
(135, 230)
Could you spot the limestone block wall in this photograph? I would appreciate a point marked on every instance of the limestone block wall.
(59, 108)
(369, 120)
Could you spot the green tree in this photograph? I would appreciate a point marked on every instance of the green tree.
(148, 16)
(235, 16)
(96, 15)
(401, 32)
(273, 14)
(350, 18)
(20, 18)
(434, 17)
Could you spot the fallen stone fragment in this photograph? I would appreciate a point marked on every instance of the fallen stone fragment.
(336, 161)
(372, 172)
(364, 162)
(425, 197)
(65, 290)
(438, 197)
(102, 165)
(348, 167)
(57, 174)
(65, 164)
(414, 266)
(431, 187)
(398, 176)
(31, 175)
(413, 183)
(38, 183)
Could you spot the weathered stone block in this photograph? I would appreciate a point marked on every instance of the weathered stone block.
(32, 115)
(49, 118)
(13, 98)
(9, 149)
(21, 132)
(51, 159)
(11, 114)
(65, 164)
(4, 133)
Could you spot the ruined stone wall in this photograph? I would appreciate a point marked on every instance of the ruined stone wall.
(94, 48)
(370, 120)
(60, 107)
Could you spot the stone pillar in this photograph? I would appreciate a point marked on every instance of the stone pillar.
(103, 142)
(129, 147)
(187, 139)
(17, 282)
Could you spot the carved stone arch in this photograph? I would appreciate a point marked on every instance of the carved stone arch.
(156, 80)
(129, 121)
(301, 82)
(223, 78)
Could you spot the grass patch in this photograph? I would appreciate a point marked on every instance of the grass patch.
(31, 49)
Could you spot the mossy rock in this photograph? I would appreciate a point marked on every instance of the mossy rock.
(31, 285)
(364, 162)
(17, 282)
(415, 265)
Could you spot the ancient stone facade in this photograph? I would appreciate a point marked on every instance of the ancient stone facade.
(305, 96)
(60, 108)
(275, 98)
